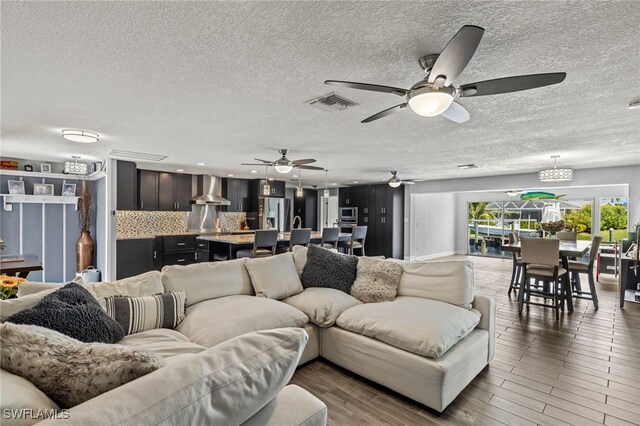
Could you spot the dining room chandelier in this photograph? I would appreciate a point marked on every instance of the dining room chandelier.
(555, 174)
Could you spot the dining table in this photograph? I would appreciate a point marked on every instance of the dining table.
(226, 246)
(568, 249)
(19, 264)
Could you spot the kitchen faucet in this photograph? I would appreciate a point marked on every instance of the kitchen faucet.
(293, 224)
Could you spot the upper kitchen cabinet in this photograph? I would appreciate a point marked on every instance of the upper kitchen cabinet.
(347, 197)
(238, 192)
(174, 192)
(147, 190)
(126, 186)
(276, 188)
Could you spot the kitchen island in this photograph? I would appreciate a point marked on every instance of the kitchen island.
(223, 247)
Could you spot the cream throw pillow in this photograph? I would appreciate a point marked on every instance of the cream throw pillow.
(274, 277)
(322, 305)
(376, 281)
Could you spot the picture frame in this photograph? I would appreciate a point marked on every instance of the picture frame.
(28, 168)
(68, 190)
(43, 189)
(16, 187)
(45, 168)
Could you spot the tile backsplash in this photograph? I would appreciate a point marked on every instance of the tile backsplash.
(231, 221)
(136, 223)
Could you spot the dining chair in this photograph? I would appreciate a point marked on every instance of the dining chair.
(540, 261)
(576, 268)
(298, 237)
(357, 239)
(330, 238)
(516, 271)
(566, 235)
(264, 244)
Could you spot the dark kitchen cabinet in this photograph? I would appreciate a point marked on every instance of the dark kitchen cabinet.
(238, 192)
(203, 254)
(174, 192)
(133, 257)
(158, 252)
(307, 208)
(179, 250)
(348, 196)
(126, 198)
(276, 188)
(147, 190)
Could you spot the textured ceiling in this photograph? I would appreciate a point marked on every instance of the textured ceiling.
(223, 82)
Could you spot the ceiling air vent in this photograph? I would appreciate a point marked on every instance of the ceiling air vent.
(468, 166)
(120, 153)
(331, 103)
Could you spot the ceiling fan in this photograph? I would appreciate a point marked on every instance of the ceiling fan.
(284, 165)
(436, 94)
(395, 181)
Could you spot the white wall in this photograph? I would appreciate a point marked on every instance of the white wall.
(587, 183)
(432, 225)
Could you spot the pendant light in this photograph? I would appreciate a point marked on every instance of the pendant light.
(266, 189)
(555, 174)
(326, 183)
(299, 188)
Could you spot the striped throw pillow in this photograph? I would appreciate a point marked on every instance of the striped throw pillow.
(136, 314)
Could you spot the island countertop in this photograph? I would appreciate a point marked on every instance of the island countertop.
(248, 239)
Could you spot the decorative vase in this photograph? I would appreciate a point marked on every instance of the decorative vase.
(84, 251)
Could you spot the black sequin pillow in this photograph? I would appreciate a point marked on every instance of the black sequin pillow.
(73, 311)
(329, 269)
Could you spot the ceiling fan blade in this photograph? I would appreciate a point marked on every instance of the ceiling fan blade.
(511, 84)
(365, 86)
(456, 54)
(264, 161)
(304, 161)
(384, 113)
(255, 164)
(456, 113)
(301, 166)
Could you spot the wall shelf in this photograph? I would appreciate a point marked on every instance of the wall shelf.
(19, 173)
(37, 199)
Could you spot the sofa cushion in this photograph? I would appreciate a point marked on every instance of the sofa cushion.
(274, 277)
(299, 257)
(292, 406)
(450, 282)
(322, 305)
(214, 321)
(422, 326)
(9, 307)
(73, 311)
(67, 370)
(223, 385)
(168, 344)
(209, 280)
(136, 314)
(327, 269)
(376, 281)
(17, 393)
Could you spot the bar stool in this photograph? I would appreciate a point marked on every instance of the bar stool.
(356, 242)
(298, 237)
(330, 238)
(264, 244)
(540, 261)
(516, 272)
(576, 268)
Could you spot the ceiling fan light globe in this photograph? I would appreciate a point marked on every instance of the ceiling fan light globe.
(430, 101)
(283, 168)
(394, 183)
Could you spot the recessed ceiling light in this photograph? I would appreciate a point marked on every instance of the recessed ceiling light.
(254, 171)
(468, 166)
(294, 175)
(201, 164)
(334, 184)
(179, 170)
(383, 179)
(81, 136)
(230, 175)
(355, 181)
(270, 178)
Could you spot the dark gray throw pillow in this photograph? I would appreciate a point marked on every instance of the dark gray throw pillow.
(325, 268)
(73, 311)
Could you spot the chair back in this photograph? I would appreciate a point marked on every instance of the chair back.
(300, 237)
(540, 251)
(566, 235)
(512, 237)
(330, 235)
(593, 250)
(359, 233)
(266, 238)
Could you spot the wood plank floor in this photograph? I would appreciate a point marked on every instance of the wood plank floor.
(582, 370)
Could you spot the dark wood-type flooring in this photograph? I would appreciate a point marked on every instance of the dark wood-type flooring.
(582, 370)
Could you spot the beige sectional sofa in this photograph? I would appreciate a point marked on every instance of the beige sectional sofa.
(427, 344)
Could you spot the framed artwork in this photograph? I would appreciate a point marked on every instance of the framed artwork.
(45, 168)
(28, 168)
(42, 189)
(16, 187)
(69, 189)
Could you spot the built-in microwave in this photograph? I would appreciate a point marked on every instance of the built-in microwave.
(348, 214)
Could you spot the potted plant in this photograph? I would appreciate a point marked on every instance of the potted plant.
(86, 214)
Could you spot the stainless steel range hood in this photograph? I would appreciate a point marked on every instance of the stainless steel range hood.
(209, 191)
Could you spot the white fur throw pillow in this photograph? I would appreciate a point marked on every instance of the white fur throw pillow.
(66, 370)
(376, 280)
